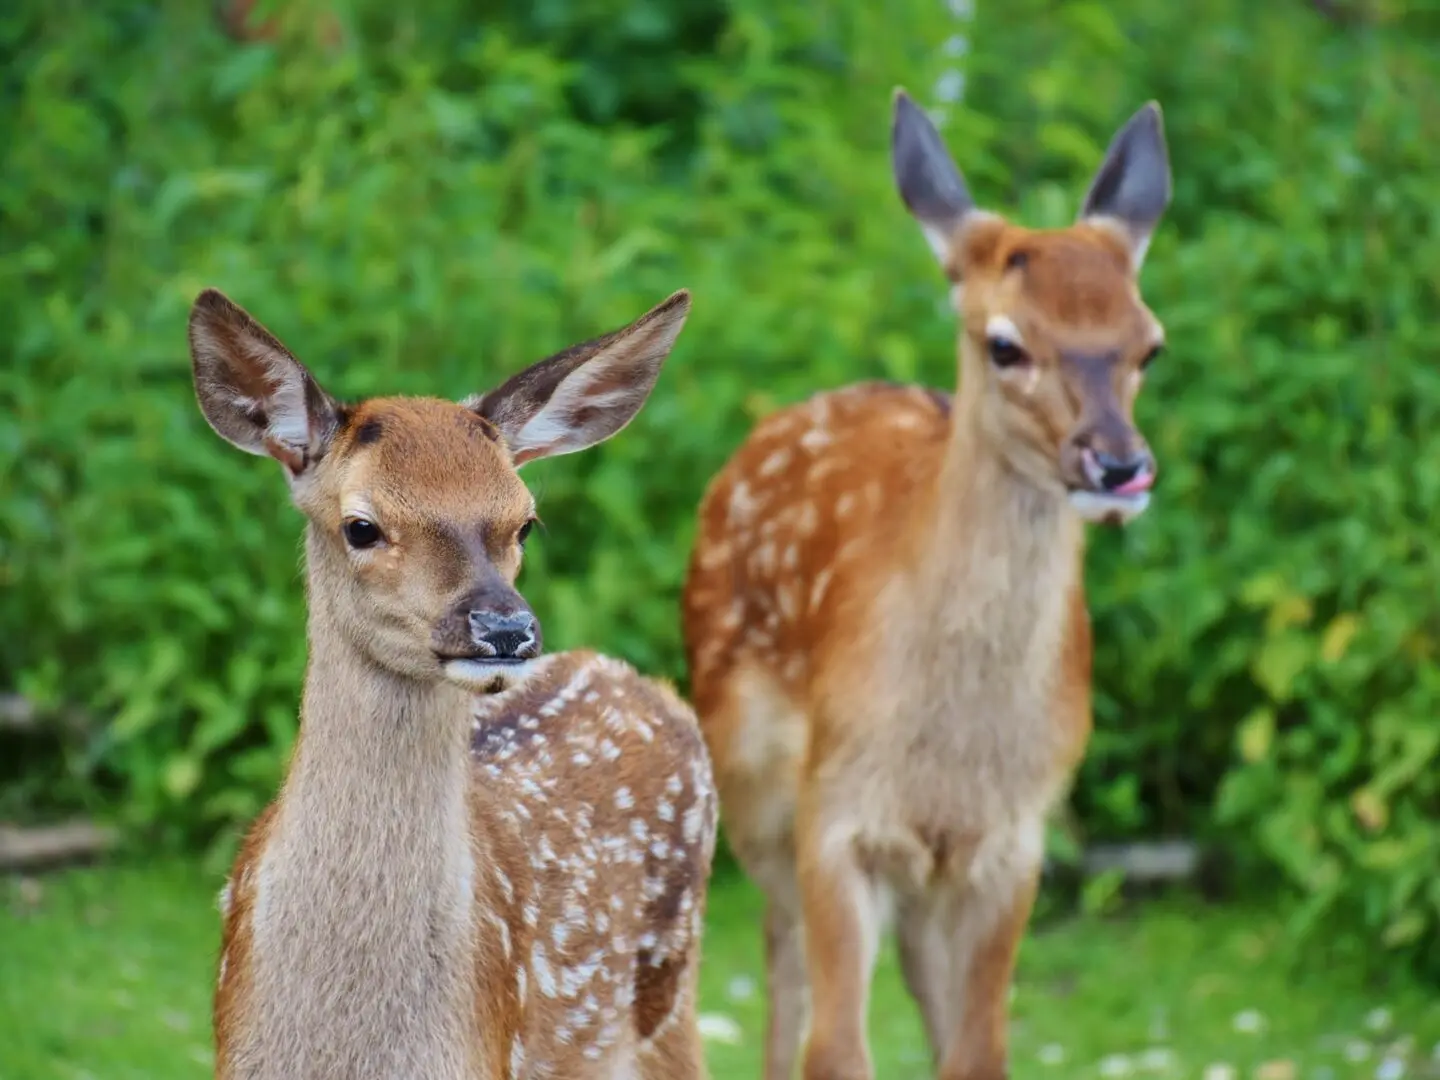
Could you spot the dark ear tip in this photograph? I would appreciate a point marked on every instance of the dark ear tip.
(902, 105)
(211, 301)
(677, 302)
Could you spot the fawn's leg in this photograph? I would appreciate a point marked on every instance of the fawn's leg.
(925, 965)
(785, 989)
(842, 933)
(985, 935)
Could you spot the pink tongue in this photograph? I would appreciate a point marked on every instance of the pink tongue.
(1141, 482)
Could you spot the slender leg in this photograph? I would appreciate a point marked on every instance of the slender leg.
(786, 991)
(983, 945)
(924, 963)
(842, 933)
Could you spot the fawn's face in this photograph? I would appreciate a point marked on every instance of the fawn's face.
(1054, 325)
(421, 519)
(418, 516)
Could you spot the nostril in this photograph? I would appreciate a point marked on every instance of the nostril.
(1123, 475)
(1118, 474)
(510, 636)
(1129, 475)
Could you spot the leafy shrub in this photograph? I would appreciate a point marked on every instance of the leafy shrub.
(427, 204)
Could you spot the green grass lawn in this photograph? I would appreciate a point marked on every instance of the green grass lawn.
(105, 975)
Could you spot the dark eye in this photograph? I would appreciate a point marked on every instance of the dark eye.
(524, 532)
(361, 534)
(1151, 356)
(1004, 353)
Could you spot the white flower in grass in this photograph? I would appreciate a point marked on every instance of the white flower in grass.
(1390, 1069)
(1248, 1022)
(1218, 1070)
(1158, 1059)
(1116, 1065)
(1357, 1050)
(1051, 1054)
(719, 1028)
(741, 988)
(1378, 1020)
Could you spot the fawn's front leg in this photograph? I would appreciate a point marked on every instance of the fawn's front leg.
(984, 937)
(842, 933)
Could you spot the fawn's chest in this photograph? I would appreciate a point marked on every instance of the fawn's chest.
(977, 742)
(358, 966)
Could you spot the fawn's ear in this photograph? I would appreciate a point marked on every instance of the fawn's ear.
(252, 391)
(587, 393)
(928, 179)
(1132, 187)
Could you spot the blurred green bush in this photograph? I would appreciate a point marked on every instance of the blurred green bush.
(424, 205)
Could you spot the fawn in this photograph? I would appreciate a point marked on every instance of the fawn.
(484, 862)
(885, 620)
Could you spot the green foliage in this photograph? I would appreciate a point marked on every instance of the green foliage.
(432, 202)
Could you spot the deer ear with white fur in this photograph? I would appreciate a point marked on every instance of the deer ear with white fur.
(586, 393)
(253, 392)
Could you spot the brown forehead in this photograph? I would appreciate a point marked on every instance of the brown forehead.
(435, 456)
(1077, 277)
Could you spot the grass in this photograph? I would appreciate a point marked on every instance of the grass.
(105, 975)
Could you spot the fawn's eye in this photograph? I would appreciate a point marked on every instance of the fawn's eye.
(1004, 353)
(361, 534)
(1151, 357)
(524, 532)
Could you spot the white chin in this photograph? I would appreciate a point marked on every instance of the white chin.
(487, 677)
(1109, 509)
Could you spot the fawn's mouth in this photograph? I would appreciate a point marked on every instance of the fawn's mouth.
(486, 674)
(1112, 495)
(1108, 507)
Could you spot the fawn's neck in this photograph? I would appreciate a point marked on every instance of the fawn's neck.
(363, 918)
(999, 559)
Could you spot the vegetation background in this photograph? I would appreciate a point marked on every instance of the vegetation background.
(425, 200)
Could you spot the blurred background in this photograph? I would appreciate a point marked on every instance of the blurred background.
(425, 201)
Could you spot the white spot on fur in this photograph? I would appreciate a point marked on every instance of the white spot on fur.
(742, 505)
(774, 463)
(502, 929)
(693, 822)
(540, 967)
(818, 587)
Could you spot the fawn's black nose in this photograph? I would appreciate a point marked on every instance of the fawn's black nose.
(1126, 475)
(510, 635)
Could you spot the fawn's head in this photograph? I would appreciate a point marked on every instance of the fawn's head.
(1055, 329)
(417, 516)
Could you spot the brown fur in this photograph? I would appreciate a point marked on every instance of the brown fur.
(890, 650)
(453, 885)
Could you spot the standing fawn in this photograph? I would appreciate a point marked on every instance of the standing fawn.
(483, 862)
(886, 625)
